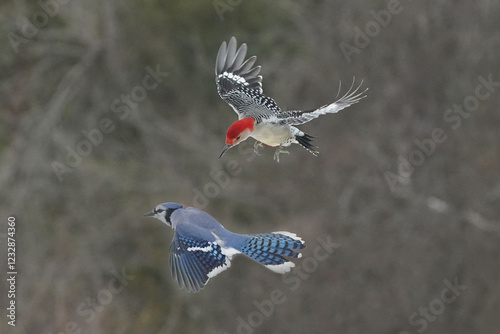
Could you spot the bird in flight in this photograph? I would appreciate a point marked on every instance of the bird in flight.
(202, 248)
(259, 117)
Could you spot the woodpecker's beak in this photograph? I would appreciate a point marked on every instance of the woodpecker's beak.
(149, 214)
(224, 150)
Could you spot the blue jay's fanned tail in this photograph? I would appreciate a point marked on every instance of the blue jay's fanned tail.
(270, 250)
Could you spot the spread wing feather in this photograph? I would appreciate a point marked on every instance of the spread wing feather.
(194, 261)
(239, 83)
(296, 117)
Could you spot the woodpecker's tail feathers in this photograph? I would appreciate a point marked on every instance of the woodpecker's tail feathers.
(305, 141)
(232, 70)
(270, 250)
(296, 117)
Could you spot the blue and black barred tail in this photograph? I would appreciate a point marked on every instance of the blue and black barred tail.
(270, 250)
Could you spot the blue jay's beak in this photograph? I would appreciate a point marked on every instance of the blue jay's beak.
(224, 150)
(149, 214)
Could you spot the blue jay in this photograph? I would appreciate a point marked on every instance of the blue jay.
(202, 248)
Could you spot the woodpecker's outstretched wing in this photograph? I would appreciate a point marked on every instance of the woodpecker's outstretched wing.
(239, 84)
(194, 261)
(296, 117)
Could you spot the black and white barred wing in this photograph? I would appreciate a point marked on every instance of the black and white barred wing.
(239, 84)
(296, 117)
(193, 261)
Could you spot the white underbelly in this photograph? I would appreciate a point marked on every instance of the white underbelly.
(271, 135)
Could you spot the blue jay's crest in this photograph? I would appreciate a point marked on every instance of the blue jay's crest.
(170, 206)
(202, 248)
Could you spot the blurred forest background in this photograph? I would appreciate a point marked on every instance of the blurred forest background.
(408, 221)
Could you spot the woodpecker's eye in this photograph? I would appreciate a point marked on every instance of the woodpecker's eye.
(238, 138)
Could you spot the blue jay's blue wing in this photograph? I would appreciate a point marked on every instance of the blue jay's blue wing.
(195, 261)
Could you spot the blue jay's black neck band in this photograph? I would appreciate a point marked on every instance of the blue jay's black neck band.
(168, 214)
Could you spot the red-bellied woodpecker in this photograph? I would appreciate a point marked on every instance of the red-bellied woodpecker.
(259, 117)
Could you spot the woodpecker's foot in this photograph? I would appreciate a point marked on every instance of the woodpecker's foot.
(258, 145)
(277, 153)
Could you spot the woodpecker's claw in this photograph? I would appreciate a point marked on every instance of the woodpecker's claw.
(258, 145)
(277, 153)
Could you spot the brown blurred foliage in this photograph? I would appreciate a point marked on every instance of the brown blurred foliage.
(66, 67)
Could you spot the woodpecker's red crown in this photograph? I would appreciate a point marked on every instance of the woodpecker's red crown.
(235, 130)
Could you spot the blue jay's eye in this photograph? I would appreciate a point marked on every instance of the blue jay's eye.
(159, 210)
